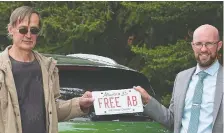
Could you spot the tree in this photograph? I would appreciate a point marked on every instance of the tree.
(163, 63)
(162, 23)
(161, 32)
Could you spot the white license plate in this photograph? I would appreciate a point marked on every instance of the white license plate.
(117, 101)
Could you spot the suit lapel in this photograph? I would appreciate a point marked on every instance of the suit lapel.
(183, 84)
(218, 93)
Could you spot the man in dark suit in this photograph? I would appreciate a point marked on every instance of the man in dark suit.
(197, 100)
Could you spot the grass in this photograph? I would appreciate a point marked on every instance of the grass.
(111, 127)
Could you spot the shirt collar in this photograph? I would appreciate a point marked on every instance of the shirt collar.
(210, 70)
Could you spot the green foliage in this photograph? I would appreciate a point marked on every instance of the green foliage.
(166, 100)
(63, 24)
(5, 11)
(163, 63)
(103, 28)
(165, 22)
(73, 26)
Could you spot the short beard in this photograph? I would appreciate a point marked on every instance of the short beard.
(209, 62)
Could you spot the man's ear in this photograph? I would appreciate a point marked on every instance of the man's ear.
(219, 45)
(10, 29)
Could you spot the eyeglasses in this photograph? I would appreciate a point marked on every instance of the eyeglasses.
(33, 30)
(199, 45)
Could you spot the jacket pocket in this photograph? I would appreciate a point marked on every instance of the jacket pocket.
(2, 128)
(3, 98)
(2, 119)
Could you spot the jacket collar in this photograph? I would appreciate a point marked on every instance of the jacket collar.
(49, 63)
(4, 59)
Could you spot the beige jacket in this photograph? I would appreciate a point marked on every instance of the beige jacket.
(10, 120)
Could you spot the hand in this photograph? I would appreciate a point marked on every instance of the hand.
(145, 96)
(86, 100)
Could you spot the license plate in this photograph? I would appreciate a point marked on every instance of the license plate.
(117, 102)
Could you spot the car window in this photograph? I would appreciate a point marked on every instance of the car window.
(100, 79)
(75, 82)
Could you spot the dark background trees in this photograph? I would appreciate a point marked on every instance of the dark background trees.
(152, 37)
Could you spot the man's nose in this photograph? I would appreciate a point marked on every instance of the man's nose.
(28, 34)
(204, 48)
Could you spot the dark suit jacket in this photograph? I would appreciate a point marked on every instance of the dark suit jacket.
(172, 117)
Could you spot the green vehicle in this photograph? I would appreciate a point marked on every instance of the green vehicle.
(81, 72)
